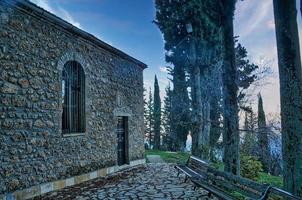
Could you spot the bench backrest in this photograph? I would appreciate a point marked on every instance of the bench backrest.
(230, 182)
(224, 180)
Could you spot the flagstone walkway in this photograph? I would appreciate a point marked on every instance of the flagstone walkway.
(154, 159)
(150, 181)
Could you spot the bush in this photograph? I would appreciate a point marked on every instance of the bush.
(250, 167)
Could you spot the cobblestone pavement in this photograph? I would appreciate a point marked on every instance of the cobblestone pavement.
(150, 181)
(155, 159)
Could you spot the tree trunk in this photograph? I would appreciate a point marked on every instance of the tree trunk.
(230, 89)
(206, 122)
(180, 107)
(204, 142)
(215, 130)
(290, 76)
(197, 110)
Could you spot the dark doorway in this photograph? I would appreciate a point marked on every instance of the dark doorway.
(122, 140)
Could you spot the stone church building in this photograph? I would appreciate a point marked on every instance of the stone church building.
(71, 106)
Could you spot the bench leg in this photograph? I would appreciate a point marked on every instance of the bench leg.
(186, 178)
(177, 173)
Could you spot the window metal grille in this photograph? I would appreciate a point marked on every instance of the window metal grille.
(73, 97)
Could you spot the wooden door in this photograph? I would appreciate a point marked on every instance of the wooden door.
(122, 141)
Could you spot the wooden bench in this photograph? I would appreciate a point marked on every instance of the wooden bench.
(226, 185)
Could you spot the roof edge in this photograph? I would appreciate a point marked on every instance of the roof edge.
(34, 9)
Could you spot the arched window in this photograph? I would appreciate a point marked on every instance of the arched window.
(73, 97)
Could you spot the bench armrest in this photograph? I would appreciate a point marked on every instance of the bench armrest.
(265, 193)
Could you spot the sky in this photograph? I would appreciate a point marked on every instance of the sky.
(127, 25)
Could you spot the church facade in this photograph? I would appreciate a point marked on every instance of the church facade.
(71, 106)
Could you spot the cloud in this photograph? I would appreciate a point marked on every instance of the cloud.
(57, 10)
(163, 69)
(252, 15)
(66, 15)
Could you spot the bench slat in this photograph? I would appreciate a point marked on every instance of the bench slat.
(213, 190)
(284, 194)
(237, 179)
(189, 172)
(234, 187)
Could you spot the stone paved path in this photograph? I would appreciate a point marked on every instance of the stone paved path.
(151, 181)
(155, 159)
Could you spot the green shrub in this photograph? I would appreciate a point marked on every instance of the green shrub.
(218, 165)
(250, 167)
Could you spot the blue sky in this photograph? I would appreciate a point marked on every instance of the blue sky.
(127, 25)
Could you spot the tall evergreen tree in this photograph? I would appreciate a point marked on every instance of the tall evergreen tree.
(230, 89)
(149, 118)
(290, 76)
(202, 50)
(145, 116)
(263, 136)
(180, 109)
(249, 145)
(167, 120)
(246, 75)
(169, 18)
(157, 115)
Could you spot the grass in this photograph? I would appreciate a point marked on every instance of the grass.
(169, 157)
(269, 179)
(263, 177)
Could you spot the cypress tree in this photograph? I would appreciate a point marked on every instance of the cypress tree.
(249, 141)
(167, 120)
(180, 109)
(157, 115)
(149, 119)
(230, 89)
(145, 117)
(290, 75)
(169, 19)
(263, 136)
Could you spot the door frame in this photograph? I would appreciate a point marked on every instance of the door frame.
(126, 140)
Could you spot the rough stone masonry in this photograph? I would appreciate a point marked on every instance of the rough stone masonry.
(34, 46)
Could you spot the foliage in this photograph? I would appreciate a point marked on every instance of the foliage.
(250, 167)
(167, 120)
(264, 150)
(206, 39)
(275, 143)
(180, 109)
(170, 157)
(217, 165)
(246, 71)
(170, 22)
(157, 115)
(249, 144)
(216, 121)
(149, 120)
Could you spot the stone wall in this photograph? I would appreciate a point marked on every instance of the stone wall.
(32, 147)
